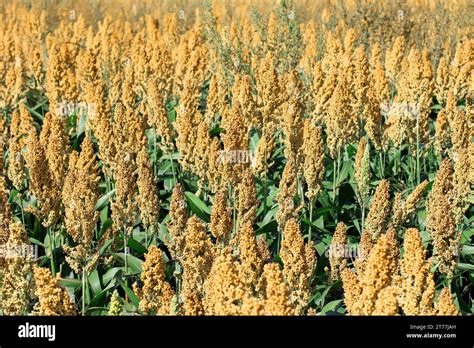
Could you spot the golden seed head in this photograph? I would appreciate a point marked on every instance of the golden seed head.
(445, 305)
(380, 272)
(313, 158)
(52, 298)
(16, 288)
(362, 171)
(177, 224)
(42, 183)
(221, 219)
(418, 287)
(249, 254)
(442, 139)
(197, 258)
(337, 251)
(80, 195)
(148, 201)
(379, 211)
(299, 260)
(156, 294)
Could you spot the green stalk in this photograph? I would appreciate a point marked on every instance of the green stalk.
(310, 202)
(21, 210)
(83, 290)
(172, 167)
(363, 217)
(51, 248)
(417, 154)
(125, 250)
(381, 165)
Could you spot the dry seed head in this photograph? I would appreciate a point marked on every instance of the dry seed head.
(380, 271)
(224, 288)
(42, 183)
(360, 79)
(52, 298)
(460, 132)
(442, 138)
(186, 124)
(445, 305)
(299, 260)
(148, 201)
(221, 219)
(293, 111)
(342, 125)
(379, 211)
(462, 184)
(55, 141)
(80, 195)
(442, 79)
(268, 90)
(16, 164)
(442, 228)
(275, 290)
(362, 171)
(352, 290)
(387, 302)
(249, 254)
(417, 280)
(265, 147)
(365, 246)
(158, 118)
(124, 206)
(197, 258)
(177, 224)
(394, 57)
(16, 288)
(5, 212)
(313, 158)
(214, 166)
(413, 199)
(286, 194)
(156, 293)
(247, 198)
(337, 256)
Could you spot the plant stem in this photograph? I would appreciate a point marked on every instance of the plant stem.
(310, 202)
(125, 250)
(83, 290)
(363, 218)
(172, 167)
(417, 153)
(51, 248)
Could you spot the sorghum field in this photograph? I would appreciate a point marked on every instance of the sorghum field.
(267, 157)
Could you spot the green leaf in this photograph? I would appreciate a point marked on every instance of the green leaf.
(94, 281)
(465, 267)
(468, 250)
(134, 264)
(104, 200)
(70, 283)
(105, 226)
(111, 274)
(321, 248)
(81, 126)
(197, 206)
(132, 243)
(134, 298)
(34, 113)
(331, 306)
